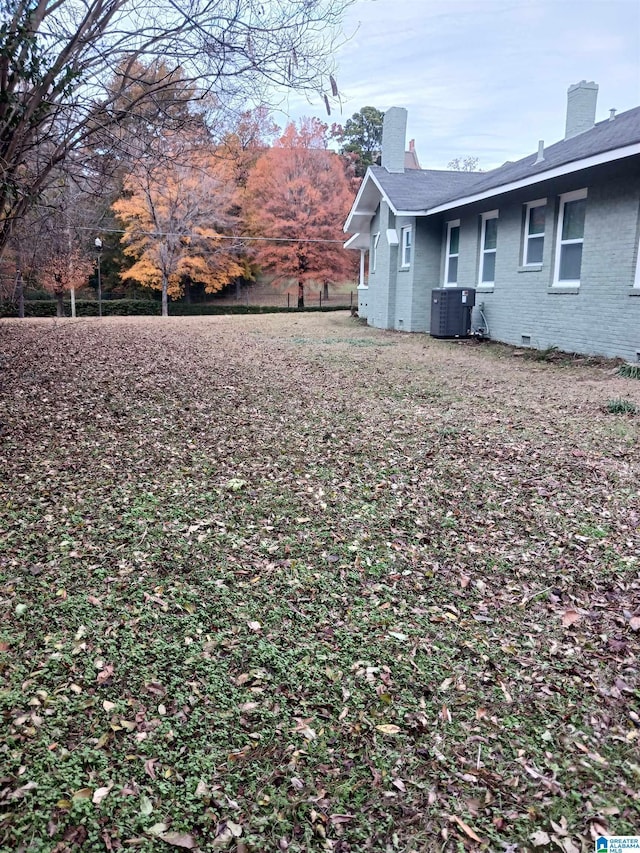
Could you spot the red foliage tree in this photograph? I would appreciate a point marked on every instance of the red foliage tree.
(297, 199)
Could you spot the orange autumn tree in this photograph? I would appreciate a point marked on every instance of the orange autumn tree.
(176, 215)
(297, 197)
(65, 268)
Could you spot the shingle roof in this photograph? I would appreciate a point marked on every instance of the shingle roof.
(418, 189)
(427, 188)
(606, 135)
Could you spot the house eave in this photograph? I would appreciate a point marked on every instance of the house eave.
(530, 180)
(358, 241)
(366, 213)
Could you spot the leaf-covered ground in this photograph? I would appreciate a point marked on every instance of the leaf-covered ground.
(276, 584)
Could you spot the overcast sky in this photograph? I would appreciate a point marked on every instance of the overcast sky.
(485, 77)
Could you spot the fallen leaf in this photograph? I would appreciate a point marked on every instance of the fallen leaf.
(465, 828)
(146, 806)
(203, 789)
(570, 617)
(149, 767)
(100, 793)
(388, 729)
(83, 794)
(19, 793)
(634, 623)
(539, 838)
(254, 626)
(157, 829)
(337, 819)
(507, 695)
(178, 839)
(565, 844)
(234, 828)
(105, 674)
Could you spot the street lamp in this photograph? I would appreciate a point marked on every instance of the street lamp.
(98, 245)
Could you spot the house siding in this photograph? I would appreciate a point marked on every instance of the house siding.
(403, 308)
(382, 282)
(426, 272)
(600, 317)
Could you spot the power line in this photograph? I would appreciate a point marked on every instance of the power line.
(240, 238)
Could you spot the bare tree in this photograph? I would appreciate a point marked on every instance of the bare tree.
(58, 58)
(464, 164)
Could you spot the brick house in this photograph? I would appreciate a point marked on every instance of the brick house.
(550, 242)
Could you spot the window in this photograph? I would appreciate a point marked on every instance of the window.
(570, 238)
(374, 251)
(452, 252)
(488, 243)
(534, 232)
(406, 247)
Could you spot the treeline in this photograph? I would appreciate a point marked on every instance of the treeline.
(122, 136)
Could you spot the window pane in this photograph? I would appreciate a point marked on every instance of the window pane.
(454, 240)
(535, 246)
(536, 219)
(570, 262)
(489, 266)
(490, 233)
(573, 220)
(406, 258)
(453, 271)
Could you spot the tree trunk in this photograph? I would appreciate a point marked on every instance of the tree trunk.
(19, 292)
(238, 290)
(187, 292)
(300, 294)
(60, 305)
(165, 296)
(325, 290)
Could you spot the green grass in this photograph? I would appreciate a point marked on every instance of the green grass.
(619, 406)
(254, 603)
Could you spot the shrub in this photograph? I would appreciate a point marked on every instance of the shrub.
(146, 307)
(618, 406)
(630, 370)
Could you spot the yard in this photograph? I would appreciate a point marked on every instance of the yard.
(289, 583)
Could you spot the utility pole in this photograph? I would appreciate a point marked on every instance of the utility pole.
(98, 245)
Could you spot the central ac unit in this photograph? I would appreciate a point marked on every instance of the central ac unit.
(451, 311)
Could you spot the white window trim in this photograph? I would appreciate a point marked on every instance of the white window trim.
(576, 195)
(374, 252)
(636, 281)
(490, 214)
(406, 233)
(539, 202)
(454, 223)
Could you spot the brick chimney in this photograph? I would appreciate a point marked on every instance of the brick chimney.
(581, 108)
(394, 131)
